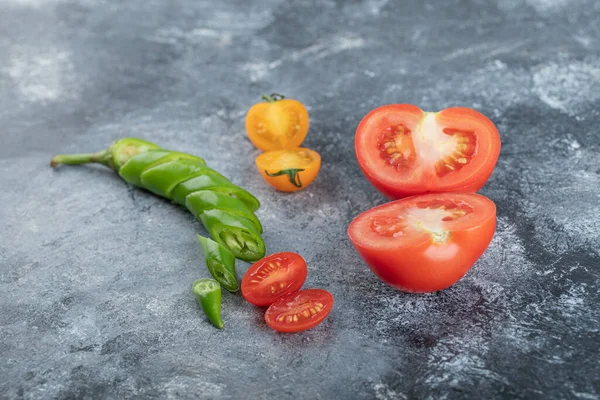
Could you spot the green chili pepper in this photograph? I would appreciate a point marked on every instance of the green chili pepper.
(208, 293)
(220, 263)
(226, 210)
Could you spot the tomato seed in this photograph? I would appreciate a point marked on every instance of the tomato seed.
(396, 146)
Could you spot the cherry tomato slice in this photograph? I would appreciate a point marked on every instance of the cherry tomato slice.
(404, 151)
(277, 124)
(289, 170)
(424, 243)
(273, 277)
(299, 311)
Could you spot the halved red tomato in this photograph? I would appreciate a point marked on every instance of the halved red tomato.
(424, 243)
(404, 151)
(273, 277)
(299, 311)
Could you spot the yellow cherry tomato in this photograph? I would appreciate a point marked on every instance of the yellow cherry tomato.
(289, 170)
(278, 123)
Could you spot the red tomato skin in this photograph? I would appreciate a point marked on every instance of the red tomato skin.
(471, 185)
(319, 294)
(416, 269)
(389, 192)
(256, 294)
(400, 193)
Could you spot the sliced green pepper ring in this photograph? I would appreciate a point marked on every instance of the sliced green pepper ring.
(208, 294)
(239, 235)
(222, 275)
(244, 244)
(220, 263)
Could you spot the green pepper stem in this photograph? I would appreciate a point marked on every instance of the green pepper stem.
(101, 157)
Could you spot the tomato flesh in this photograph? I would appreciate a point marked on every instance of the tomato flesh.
(424, 243)
(277, 124)
(404, 151)
(273, 277)
(299, 311)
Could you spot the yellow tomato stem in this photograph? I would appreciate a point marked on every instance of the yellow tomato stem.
(292, 173)
(272, 98)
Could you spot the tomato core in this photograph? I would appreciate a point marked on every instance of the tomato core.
(465, 144)
(426, 216)
(288, 123)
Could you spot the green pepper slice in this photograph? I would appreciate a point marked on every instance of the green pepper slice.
(239, 235)
(208, 294)
(161, 179)
(204, 200)
(132, 170)
(215, 183)
(220, 263)
(124, 149)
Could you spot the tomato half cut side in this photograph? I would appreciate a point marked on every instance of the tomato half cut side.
(274, 276)
(278, 123)
(424, 243)
(404, 151)
(299, 311)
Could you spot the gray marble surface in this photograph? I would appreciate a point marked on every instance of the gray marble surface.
(95, 277)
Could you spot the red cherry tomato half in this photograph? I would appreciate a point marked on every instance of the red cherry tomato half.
(273, 277)
(299, 311)
(404, 151)
(424, 243)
